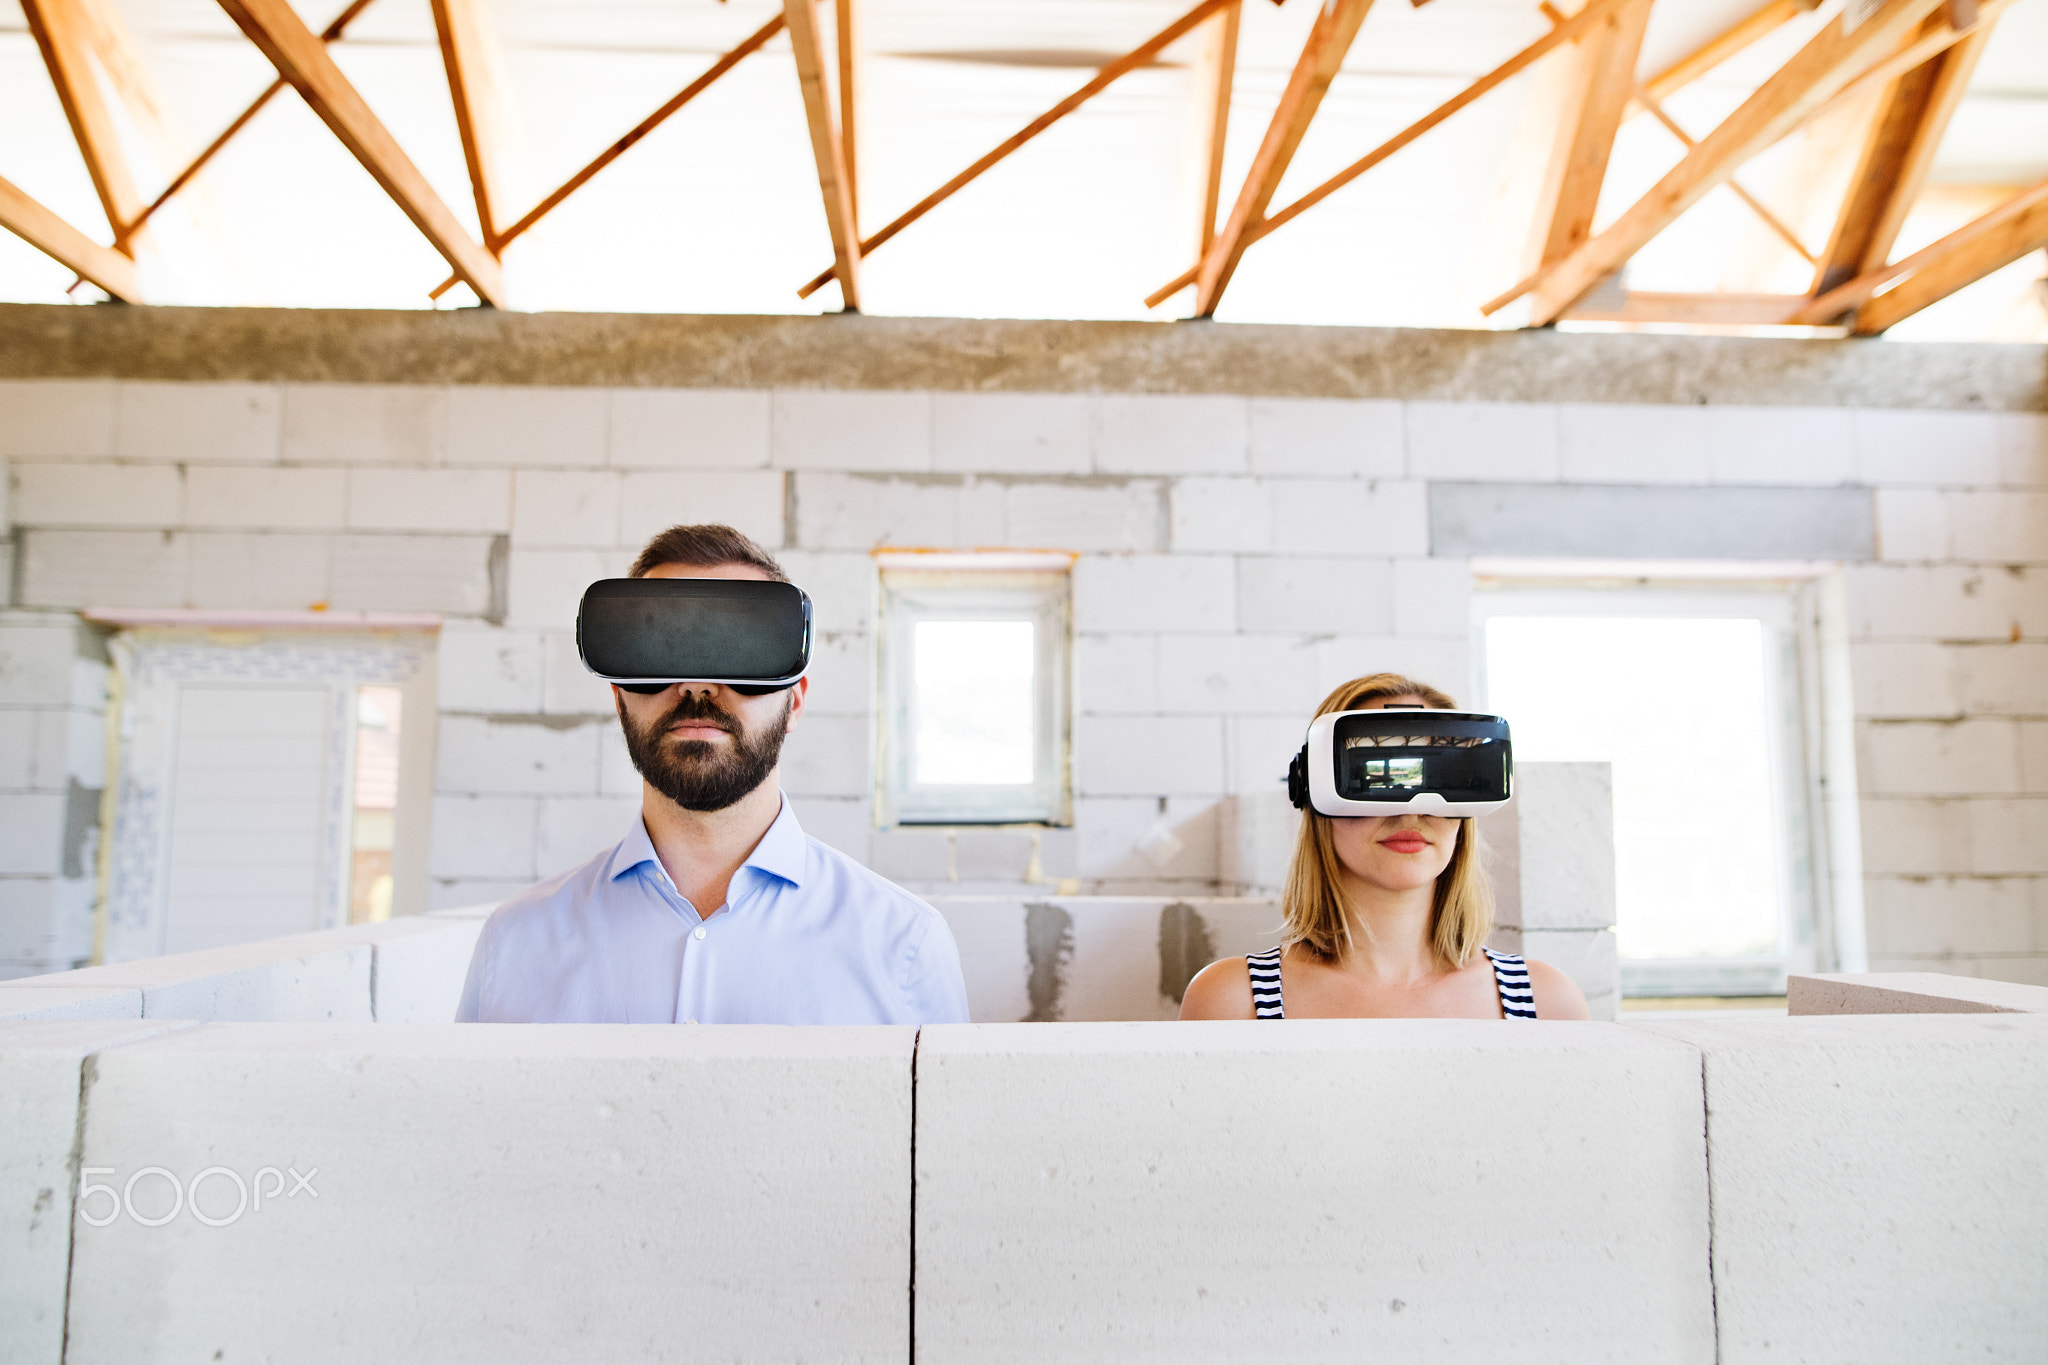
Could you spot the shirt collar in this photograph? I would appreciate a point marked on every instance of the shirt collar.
(781, 852)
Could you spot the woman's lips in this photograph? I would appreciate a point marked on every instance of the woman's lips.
(1405, 843)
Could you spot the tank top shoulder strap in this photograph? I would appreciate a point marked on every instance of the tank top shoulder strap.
(1511, 978)
(1265, 972)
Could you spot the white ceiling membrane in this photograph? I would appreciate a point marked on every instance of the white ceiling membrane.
(1843, 169)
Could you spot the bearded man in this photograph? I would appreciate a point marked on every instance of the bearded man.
(716, 907)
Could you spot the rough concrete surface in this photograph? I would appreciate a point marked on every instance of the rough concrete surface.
(40, 1069)
(505, 1193)
(487, 346)
(1880, 1186)
(1439, 1190)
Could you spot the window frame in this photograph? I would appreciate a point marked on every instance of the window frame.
(1818, 928)
(988, 586)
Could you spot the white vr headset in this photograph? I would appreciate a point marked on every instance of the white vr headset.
(1402, 759)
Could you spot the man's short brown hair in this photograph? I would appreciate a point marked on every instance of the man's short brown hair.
(705, 547)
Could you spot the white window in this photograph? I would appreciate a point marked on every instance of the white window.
(1706, 698)
(974, 721)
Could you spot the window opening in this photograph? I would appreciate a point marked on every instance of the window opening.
(1695, 698)
(373, 827)
(974, 672)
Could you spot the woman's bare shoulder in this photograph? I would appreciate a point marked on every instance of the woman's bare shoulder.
(1221, 990)
(1557, 995)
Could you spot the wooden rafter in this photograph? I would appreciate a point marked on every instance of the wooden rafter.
(851, 90)
(476, 86)
(331, 33)
(1506, 71)
(1723, 45)
(812, 62)
(1962, 258)
(1108, 75)
(749, 45)
(1896, 156)
(65, 31)
(1768, 218)
(301, 58)
(1815, 75)
(1329, 39)
(1215, 77)
(1601, 84)
(1995, 238)
(47, 233)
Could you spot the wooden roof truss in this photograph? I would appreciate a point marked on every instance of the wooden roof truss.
(1916, 55)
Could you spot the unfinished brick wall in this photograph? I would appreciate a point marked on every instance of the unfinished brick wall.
(1239, 556)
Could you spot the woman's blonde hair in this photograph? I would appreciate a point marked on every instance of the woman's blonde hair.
(1313, 902)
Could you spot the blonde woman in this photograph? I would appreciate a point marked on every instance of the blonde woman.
(1387, 918)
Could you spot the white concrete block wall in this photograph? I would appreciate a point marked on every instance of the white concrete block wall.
(1878, 1187)
(41, 1065)
(1321, 1190)
(594, 1193)
(1218, 535)
(53, 697)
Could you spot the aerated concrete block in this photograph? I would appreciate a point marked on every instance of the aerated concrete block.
(1910, 993)
(40, 1066)
(1879, 1188)
(19, 1001)
(1095, 958)
(504, 1194)
(305, 977)
(418, 966)
(1425, 1190)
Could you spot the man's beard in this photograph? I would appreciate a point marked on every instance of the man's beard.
(697, 774)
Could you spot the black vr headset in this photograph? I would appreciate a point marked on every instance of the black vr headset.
(750, 634)
(1403, 758)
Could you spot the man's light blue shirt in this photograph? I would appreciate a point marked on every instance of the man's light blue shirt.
(806, 936)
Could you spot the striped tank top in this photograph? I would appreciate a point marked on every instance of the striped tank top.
(1510, 978)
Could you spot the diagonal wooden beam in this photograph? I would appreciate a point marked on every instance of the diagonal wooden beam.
(1506, 71)
(852, 87)
(65, 31)
(483, 116)
(1896, 157)
(827, 150)
(301, 58)
(1215, 76)
(1823, 68)
(1843, 298)
(1735, 38)
(331, 33)
(48, 233)
(1959, 260)
(749, 45)
(1108, 75)
(1602, 81)
(1329, 39)
(1768, 218)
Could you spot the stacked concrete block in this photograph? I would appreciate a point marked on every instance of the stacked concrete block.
(1948, 660)
(1094, 958)
(53, 763)
(480, 1193)
(1878, 1187)
(1552, 859)
(41, 1066)
(1321, 1190)
(1239, 556)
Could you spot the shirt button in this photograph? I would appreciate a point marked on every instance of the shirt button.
(698, 932)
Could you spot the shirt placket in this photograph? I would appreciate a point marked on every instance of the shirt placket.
(693, 959)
